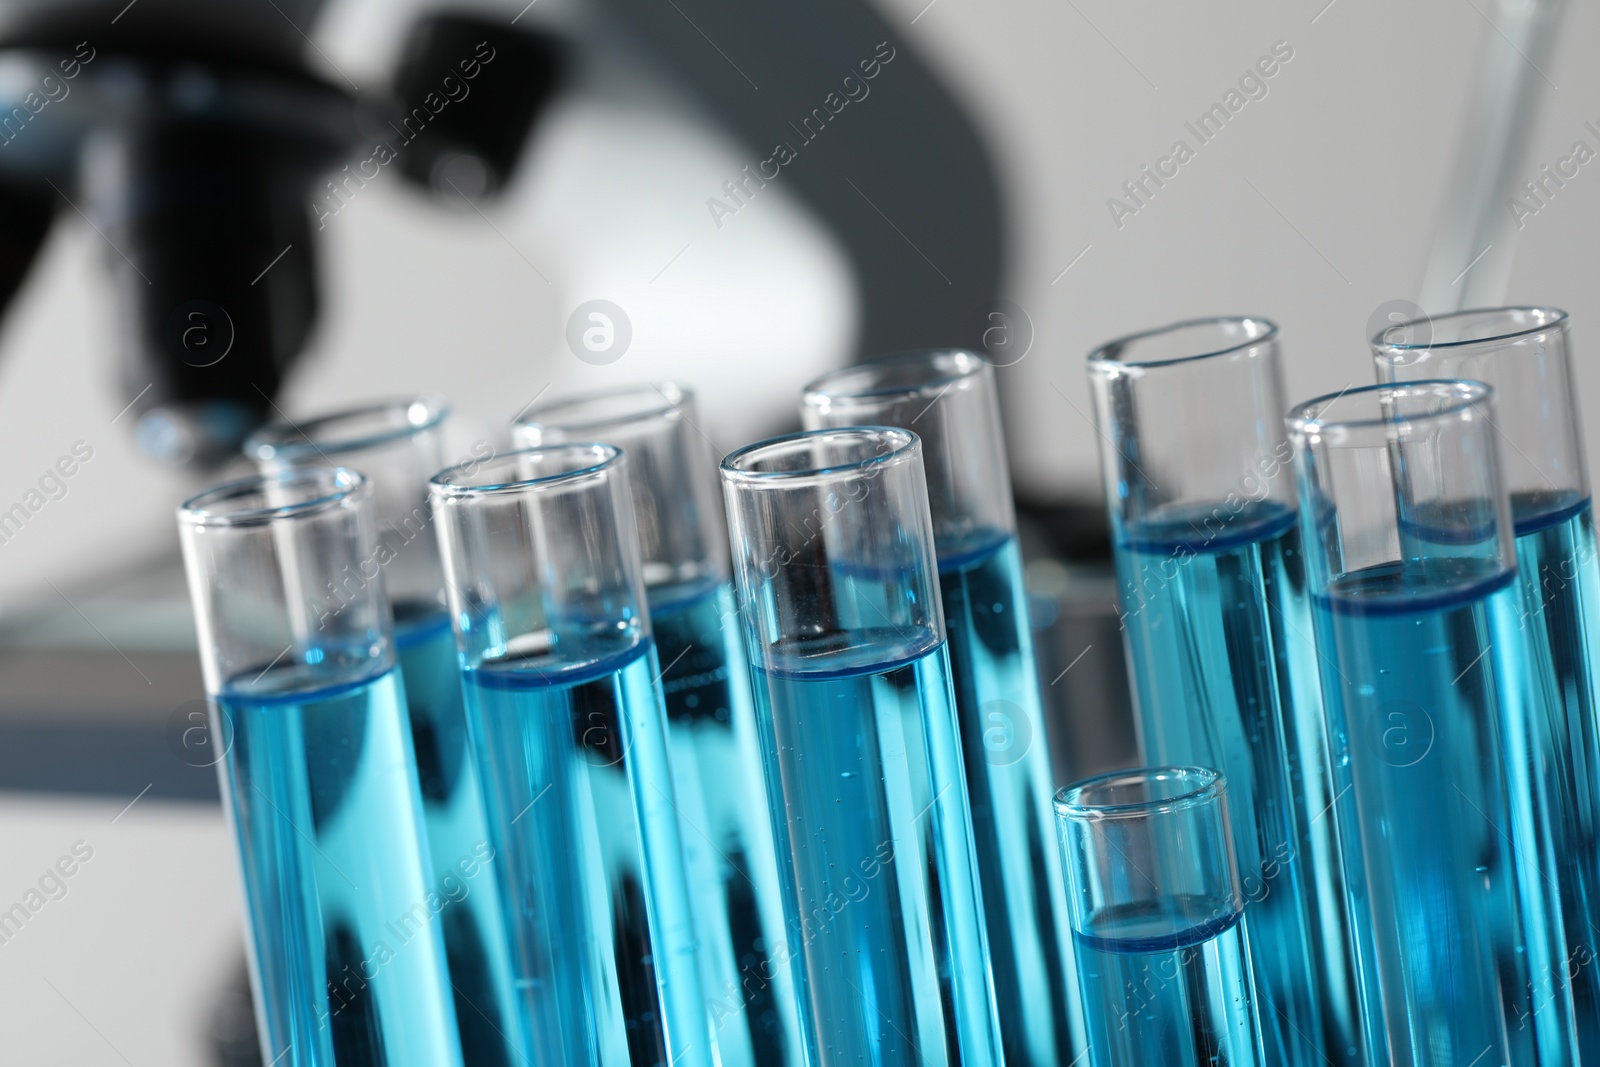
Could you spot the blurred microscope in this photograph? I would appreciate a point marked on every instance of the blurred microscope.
(204, 142)
(191, 135)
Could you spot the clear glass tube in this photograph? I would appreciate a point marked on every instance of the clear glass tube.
(1218, 630)
(564, 706)
(711, 725)
(1158, 920)
(318, 775)
(836, 574)
(396, 444)
(1412, 569)
(1523, 353)
(948, 398)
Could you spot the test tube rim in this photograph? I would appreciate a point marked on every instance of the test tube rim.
(1305, 420)
(817, 393)
(1210, 786)
(1104, 360)
(609, 458)
(670, 398)
(1558, 323)
(344, 486)
(909, 447)
(303, 443)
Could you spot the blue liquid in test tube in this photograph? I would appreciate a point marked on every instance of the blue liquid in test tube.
(1159, 923)
(1524, 354)
(1428, 691)
(556, 734)
(834, 564)
(396, 444)
(724, 816)
(1218, 626)
(318, 775)
(564, 704)
(948, 398)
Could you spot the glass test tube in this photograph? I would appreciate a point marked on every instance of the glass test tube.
(318, 775)
(564, 708)
(948, 398)
(835, 571)
(1158, 920)
(396, 444)
(1523, 354)
(1200, 487)
(711, 725)
(1411, 568)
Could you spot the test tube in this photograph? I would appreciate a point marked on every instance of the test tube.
(318, 776)
(1523, 354)
(396, 444)
(1412, 570)
(948, 398)
(722, 801)
(564, 707)
(836, 577)
(1200, 487)
(1158, 920)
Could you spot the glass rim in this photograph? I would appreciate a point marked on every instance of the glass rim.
(955, 368)
(1102, 359)
(334, 487)
(600, 458)
(1309, 417)
(287, 438)
(666, 399)
(1204, 786)
(733, 470)
(1558, 321)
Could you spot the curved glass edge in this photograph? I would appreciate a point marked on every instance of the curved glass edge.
(1558, 320)
(601, 458)
(667, 399)
(342, 484)
(1309, 417)
(1201, 785)
(296, 440)
(1106, 358)
(905, 445)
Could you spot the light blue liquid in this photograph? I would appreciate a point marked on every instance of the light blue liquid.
(881, 892)
(349, 959)
(1426, 684)
(573, 753)
(1007, 762)
(1560, 581)
(726, 825)
(1219, 633)
(1168, 985)
(458, 840)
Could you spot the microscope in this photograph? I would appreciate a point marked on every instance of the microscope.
(206, 152)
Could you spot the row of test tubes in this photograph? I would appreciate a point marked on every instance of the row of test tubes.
(1376, 616)
(531, 760)
(679, 804)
